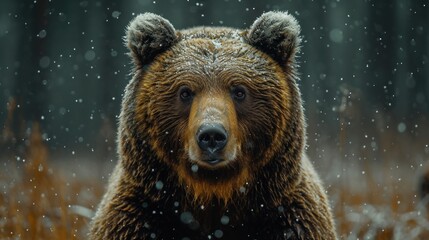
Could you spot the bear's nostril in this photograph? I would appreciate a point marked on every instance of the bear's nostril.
(219, 137)
(205, 137)
(211, 137)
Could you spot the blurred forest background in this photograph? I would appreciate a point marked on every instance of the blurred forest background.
(364, 79)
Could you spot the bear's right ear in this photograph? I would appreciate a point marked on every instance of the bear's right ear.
(148, 35)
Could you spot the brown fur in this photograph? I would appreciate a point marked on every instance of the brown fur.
(265, 185)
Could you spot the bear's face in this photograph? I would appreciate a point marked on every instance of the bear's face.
(216, 99)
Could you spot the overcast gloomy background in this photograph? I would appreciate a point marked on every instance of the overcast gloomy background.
(364, 79)
(364, 70)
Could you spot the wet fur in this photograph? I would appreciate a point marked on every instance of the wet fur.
(270, 192)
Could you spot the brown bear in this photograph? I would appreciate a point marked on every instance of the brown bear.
(212, 136)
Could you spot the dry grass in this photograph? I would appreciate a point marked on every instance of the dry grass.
(379, 213)
(37, 202)
(370, 201)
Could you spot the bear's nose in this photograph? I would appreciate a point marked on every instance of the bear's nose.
(211, 138)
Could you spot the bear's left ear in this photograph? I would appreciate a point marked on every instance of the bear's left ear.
(148, 35)
(277, 34)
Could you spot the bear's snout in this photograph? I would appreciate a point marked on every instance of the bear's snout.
(212, 136)
(212, 139)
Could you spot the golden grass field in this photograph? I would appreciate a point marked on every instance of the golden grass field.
(41, 200)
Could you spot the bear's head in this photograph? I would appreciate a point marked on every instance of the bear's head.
(214, 106)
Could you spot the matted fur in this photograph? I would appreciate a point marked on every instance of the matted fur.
(268, 191)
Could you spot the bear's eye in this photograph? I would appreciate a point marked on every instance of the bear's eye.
(239, 93)
(185, 94)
